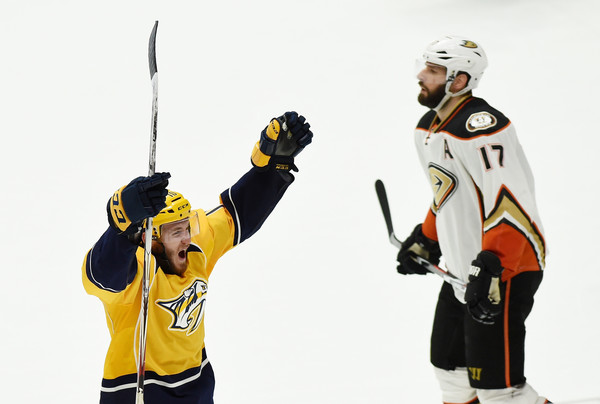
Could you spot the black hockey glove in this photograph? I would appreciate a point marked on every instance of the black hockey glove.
(281, 141)
(142, 198)
(483, 290)
(417, 244)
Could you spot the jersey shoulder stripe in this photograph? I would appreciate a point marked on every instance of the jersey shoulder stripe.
(214, 210)
(474, 118)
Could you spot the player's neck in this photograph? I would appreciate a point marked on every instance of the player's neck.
(451, 105)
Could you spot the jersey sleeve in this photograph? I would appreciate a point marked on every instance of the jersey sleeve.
(218, 235)
(252, 199)
(110, 266)
(505, 187)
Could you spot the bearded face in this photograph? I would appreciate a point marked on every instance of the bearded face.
(176, 239)
(432, 80)
(431, 97)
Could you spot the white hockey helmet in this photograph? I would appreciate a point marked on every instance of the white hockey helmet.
(457, 54)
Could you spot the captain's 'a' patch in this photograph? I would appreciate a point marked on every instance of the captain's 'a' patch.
(481, 121)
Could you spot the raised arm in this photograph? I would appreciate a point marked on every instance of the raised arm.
(254, 196)
(111, 263)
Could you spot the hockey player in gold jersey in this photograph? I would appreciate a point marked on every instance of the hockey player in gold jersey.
(185, 248)
(484, 221)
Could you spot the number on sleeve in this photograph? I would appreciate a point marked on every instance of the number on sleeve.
(497, 149)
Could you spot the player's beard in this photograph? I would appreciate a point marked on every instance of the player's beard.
(170, 260)
(431, 99)
(177, 261)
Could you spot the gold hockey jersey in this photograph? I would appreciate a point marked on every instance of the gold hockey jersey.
(175, 355)
(176, 312)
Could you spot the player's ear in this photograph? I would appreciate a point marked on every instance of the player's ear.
(460, 82)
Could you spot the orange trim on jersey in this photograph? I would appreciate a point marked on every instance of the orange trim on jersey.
(478, 136)
(506, 338)
(428, 228)
(460, 106)
(510, 234)
(513, 249)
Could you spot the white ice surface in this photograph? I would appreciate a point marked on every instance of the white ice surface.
(311, 309)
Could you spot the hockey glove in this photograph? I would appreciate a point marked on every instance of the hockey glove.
(483, 290)
(281, 141)
(142, 198)
(417, 244)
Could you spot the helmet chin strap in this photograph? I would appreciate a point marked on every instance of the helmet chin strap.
(443, 102)
(450, 94)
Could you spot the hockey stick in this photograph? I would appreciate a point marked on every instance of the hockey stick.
(139, 396)
(385, 208)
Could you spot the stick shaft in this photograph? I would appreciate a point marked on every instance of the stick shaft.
(148, 231)
(385, 208)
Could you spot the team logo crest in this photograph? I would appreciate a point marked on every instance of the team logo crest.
(188, 308)
(443, 183)
(469, 44)
(481, 121)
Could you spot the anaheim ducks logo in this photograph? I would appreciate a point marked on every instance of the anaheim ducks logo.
(188, 308)
(443, 183)
(469, 44)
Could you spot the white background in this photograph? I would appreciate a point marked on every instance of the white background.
(311, 309)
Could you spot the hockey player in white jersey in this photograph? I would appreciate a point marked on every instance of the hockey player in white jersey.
(484, 221)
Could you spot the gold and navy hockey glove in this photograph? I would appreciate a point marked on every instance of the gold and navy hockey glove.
(483, 290)
(282, 140)
(142, 198)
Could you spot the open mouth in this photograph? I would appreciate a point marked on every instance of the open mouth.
(181, 254)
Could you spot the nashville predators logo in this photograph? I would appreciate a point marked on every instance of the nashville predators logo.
(188, 308)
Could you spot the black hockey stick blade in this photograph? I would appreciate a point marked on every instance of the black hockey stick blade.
(152, 51)
(385, 209)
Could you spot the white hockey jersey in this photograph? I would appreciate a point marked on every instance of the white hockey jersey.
(483, 190)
